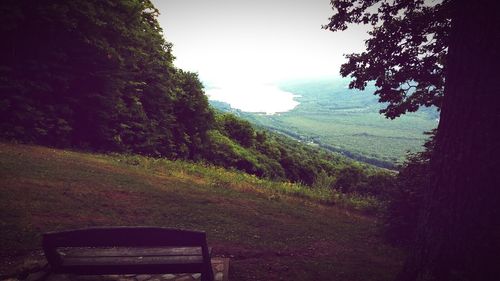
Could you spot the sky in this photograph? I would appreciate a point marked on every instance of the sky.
(256, 43)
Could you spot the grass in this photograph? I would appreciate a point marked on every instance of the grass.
(270, 230)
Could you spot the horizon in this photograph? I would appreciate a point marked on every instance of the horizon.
(258, 44)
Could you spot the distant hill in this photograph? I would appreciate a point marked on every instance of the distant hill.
(347, 121)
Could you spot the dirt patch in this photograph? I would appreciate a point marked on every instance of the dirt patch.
(239, 252)
(121, 196)
(45, 221)
(321, 248)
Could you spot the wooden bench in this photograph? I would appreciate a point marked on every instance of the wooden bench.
(128, 250)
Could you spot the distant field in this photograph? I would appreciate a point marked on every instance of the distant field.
(270, 230)
(346, 120)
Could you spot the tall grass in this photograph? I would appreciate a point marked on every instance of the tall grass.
(218, 177)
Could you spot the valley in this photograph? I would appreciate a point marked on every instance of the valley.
(346, 121)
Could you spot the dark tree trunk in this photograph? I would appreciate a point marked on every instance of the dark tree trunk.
(458, 237)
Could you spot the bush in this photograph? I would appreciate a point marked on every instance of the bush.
(237, 129)
(349, 179)
(405, 200)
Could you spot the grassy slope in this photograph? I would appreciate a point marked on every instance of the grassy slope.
(269, 230)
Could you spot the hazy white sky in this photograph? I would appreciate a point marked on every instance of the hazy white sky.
(262, 40)
(255, 42)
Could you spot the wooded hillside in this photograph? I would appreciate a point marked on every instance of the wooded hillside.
(99, 76)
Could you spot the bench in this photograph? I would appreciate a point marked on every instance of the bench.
(128, 250)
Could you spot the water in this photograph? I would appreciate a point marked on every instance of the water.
(268, 99)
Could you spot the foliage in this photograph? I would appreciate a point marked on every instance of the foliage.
(225, 152)
(96, 75)
(238, 129)
(349, 178)
(405, 200)
(405, 54)
(192, 110)
(274, 156)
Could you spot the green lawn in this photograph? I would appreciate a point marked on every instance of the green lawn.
(269, 230)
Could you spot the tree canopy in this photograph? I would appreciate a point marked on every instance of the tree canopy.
(96, 74)
(405, 54)
(446, 55)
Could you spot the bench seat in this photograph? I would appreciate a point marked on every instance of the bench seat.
(130, 260)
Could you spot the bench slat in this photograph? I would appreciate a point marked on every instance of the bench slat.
(105, 261)
(132, 269)
(128, 252)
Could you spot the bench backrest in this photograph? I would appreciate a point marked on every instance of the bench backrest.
(123, 237)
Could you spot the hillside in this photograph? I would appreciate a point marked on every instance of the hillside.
(110, 84)
(270, 230)
(346, 121)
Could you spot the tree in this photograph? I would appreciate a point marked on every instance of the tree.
(193, 113)
(349, 179)
(406, 53)
(238, 129)
(96, 75)
(459, 226)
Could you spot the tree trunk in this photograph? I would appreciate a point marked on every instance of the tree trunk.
(458, 236)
